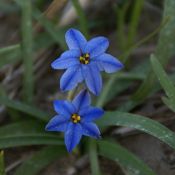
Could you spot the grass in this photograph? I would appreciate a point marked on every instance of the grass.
(26, 132)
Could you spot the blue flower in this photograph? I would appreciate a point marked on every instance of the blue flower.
(84, 60)
(75, 119)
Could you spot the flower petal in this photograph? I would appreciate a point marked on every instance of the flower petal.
(92, 78)
(64, 107)
(96, 46)
(71, 78)
(91, 113)
(109, 63)
(57, 123)
(82, 100)
(73, 136)
(75, 39)
(66, 60)
(90, 129)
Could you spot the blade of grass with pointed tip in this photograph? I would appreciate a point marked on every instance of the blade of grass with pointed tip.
(170, 104)
(112, 80)
(56, 34)
(165, 49)
(12, 54)
(27, 109)
(163, 78)
(117, 153)
(139, 122)
(40, 160)
(27, 133)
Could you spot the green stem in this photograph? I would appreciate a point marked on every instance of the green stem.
(124, 57)
(121, 14)
(134, 21)
(144, 40)
(94, 158)
(2, 169)
(70, 95)
(27, 48)
(82, 17)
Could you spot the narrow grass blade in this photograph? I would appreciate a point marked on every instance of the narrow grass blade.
(163, 78)
(82, 18)
(2, 169)
(170, 104)
(134, 21)
(112, 80)
(139, 122)
(12, 54)
(40, 160)
(27, 50)
(27, 133)
(128, 160)
(165, 49)
(57, 35)
(27, 109)
(120, 16)
(95, 169)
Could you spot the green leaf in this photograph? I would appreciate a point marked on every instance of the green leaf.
(27, 109)
(82, 17)
(2, 169)
(170, 104)
(10, 54)
(94, 163)
(163, 78)
(27, 133)
(134, 21)
(139, 122)
(117, 153)
(27, 50)
(165, 49)
(56, 34)
(40, 160)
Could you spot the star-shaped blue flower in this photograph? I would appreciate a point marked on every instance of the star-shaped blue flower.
(75, 119)
(84, 60)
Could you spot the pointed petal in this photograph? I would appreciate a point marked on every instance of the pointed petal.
(82, 100)
(90, 129)
(97, 46)
(66, 60)
(73, 136)
(75, 39)
(109, 63)
(92, 78)
(91, 113)
(64, 107)
(71, 78)
(57, 123)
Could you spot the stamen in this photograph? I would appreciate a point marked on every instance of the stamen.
(84, 59)
(75, 118)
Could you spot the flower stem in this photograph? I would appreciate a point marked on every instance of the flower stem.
(71, 94)
(94, 158)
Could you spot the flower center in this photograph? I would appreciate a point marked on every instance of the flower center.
(75, 118)
(84, 59)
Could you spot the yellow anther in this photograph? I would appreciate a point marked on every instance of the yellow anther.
(75, 118)
(81, 58)
(87, 55)
(78, 118)
(84, 59)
